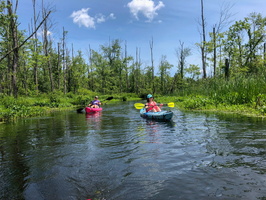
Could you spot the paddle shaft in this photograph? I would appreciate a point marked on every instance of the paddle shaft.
(141, 105)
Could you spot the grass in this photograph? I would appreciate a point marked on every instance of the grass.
(12, 108)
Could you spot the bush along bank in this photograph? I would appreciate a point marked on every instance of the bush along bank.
(255, 108)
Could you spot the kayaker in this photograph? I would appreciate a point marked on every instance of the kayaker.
(151, 105)
(95, 103)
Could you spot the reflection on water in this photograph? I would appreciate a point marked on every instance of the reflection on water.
(94, 120)
(155, 129)
(116, 155)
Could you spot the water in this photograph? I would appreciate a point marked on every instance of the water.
(117, 155)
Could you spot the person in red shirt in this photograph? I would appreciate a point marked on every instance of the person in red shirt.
(151, 105)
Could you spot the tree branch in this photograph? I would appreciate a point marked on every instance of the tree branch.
(17, 47)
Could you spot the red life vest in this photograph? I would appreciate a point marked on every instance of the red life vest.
(151, 106)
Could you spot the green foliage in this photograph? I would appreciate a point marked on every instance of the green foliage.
(197, 102)
(84, 91)
(60, 80)
(238, 93)
(12, 108)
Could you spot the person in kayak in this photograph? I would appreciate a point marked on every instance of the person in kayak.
(95, 103)
(151, 105)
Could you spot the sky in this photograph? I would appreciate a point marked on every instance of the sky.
(92, 23)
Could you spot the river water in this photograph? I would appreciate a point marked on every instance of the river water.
(117, 155)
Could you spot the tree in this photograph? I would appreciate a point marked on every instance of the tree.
(47, 47)
(217, 35)
(13, 38)
(77, 72)
(193, 71)
(244, 41)
(203, 41)
(102, 71)
(164, 73)
(152, 66)
(35, 50)
(182, 53)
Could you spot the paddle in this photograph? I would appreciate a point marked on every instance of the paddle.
(80, 110)
(141, 105)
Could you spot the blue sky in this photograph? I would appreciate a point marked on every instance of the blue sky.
(95, 22)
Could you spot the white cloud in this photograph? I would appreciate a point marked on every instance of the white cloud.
(82, 18)
(112, 16)
(145, 7)
(100, 18)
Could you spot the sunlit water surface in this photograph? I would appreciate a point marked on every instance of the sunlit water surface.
(117, 155)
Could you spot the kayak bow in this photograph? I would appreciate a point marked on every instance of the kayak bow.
(90, 110)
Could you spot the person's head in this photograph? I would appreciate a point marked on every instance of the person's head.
(96, 97)
(149, 97)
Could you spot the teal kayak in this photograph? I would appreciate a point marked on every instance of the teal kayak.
(162, 116)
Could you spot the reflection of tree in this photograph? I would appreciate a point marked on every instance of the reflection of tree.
(14, 170)
(237, 141)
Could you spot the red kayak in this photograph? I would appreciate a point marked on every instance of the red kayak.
(90, 110)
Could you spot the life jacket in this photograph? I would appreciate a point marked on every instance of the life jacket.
(150, 106)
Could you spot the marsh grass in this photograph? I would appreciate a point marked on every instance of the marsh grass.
(240, 94)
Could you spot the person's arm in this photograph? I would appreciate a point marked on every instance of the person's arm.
(156, 104)
(90, 104)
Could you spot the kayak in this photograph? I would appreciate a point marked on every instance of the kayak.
(91, 110)
(162, 115)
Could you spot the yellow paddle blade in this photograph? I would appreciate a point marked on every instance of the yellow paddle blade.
(139, 105)
(171, 104)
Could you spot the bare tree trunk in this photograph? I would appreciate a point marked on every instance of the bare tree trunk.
(264, 53)
(152, 65)
(91, 80)
(58, 66)
(35, 48)
(70, 83)
(47, 48)
(182, 54)
(182, 59)
(64, 61)
(15, 55)
(227, 73)
(203, 45)
(136, 73)
(25, 78)
(126, 67)
(8, 76)
(214, 52)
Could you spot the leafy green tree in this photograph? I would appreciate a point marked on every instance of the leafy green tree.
(77, 72)
(244, 42)
(193, 71)
(182, 53)
(102, 70)
(164, 73)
